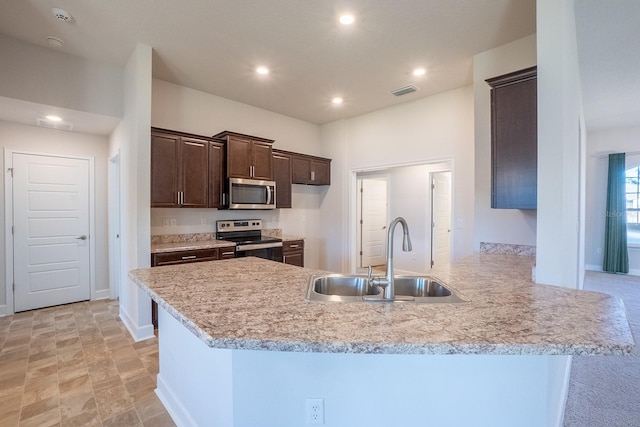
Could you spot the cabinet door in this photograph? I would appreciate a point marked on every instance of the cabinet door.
(194, 172)
(514, 145)
(262, 161)
(164, 169)
(239, 157)
(216, 174)
(321, 172)
(301, 169)
(282, 177)
(296, 259)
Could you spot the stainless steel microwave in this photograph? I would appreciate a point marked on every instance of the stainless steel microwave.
(251, 194)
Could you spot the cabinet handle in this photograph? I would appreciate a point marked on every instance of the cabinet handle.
(313, 175)
(252, 171)
(228, 253)
(224, 199)
(178, 198)
(294, 246)
(189, 257)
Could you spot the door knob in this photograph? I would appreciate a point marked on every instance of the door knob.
(83, 237)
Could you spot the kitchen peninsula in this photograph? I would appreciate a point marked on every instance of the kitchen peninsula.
(240, 346)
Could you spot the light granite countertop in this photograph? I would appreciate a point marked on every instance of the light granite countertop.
(190, 245)
(255, 304)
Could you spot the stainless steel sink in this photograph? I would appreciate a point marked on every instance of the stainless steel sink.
(356, 288)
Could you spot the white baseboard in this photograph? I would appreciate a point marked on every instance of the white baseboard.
(564, 392)
(138, 333)
(102, 294)
(596, 267)
(3, 310)
(173, 406)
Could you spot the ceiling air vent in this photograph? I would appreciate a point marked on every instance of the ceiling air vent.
(404, 90)
(54, 125)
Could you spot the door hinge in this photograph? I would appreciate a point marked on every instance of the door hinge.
(432, 263)
(12, 229)
(11, 171)
(13, 286)
(361, 222)
(360, 253)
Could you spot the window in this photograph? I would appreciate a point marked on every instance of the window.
(633, 206)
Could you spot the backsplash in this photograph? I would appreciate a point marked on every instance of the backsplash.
(507, 248)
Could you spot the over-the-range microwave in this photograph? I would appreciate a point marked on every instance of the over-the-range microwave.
(245, 193)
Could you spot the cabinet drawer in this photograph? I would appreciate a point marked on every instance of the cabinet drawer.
(292, 246)
(227, 252)
(182, 257)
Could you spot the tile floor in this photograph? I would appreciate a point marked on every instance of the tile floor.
(605, 390)
(76, 365)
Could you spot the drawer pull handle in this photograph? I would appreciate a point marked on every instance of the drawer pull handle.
(189, 257)
(228, 253)
(294, 246)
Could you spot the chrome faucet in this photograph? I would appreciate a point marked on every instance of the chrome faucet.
(386, 284)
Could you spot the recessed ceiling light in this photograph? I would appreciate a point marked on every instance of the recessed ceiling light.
(419, 72)
(336, 101)
(262, 70)
(54, 118)
(54, 41)
(347, 19)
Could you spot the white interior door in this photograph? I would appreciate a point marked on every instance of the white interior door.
(51, 230)
(441, 219)
(374, 221)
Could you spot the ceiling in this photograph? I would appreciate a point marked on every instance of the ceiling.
(215, 45)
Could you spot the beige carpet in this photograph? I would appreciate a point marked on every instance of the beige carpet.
(605, 390)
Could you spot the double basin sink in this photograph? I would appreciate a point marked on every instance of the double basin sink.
(357, 288)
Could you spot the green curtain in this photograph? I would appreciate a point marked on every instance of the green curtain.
(616, 257)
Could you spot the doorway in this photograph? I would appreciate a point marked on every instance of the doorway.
(372, 209)
(50, 216)
(440, 219)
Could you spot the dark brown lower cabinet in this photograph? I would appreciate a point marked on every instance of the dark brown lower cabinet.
(185, 257)
(293, 252)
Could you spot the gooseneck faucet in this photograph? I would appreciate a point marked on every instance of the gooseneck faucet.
(386, 284)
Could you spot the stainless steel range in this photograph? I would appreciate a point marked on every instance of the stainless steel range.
(247, 235)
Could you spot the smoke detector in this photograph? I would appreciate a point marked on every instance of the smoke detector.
(404, 90)
(61, 14)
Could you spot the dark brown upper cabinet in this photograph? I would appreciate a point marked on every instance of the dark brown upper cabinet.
(514, 140)
(310, 170)
(247, 156)
(282, 177)
(179, 169)
(216, 174)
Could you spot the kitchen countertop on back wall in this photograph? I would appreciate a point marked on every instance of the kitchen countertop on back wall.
(194, 241)
(255, 304)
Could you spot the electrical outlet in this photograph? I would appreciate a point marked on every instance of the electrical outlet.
(173, 222)
(315, 411)
(203, 221)
(166, 222)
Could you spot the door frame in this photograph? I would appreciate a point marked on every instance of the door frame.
(114, 225)
(8, 221)
(359, 180)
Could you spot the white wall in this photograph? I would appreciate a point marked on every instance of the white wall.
(599, 144)
(133, 138)
(49, 141)
(427, 130)
(183, 109)
(561, 148)
(511, 226)
(44, 76)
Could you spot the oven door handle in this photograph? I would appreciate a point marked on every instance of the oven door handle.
(251, 247)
